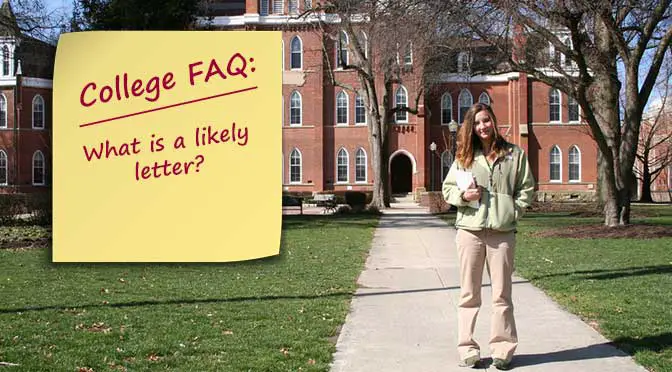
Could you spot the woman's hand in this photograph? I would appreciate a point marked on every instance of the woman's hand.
(473, 192)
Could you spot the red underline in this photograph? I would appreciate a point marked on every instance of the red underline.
(166, 107)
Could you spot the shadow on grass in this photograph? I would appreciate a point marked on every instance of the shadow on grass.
(342, 294)
(656, 343)
(614, 273)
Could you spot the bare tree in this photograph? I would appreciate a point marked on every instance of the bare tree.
(32, 18)
(654, 151)
(382, 37)
(577, 47)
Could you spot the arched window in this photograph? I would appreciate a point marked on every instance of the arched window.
(446, 162)
(38, 168)
(574, 164)
(360, 110)
(3, 111)
(554, 105)
(465, 100)
(555, 164)
(446, 108)
(342, 166)
(295, 169)
(484, 98)
(342, 108)
(5, 61)
(360, 165)
(342, 49)
(38, 112)
(401, 100)
(3, 168)
(572, 110)
(295, 58)
(295, 109)
(364, 40)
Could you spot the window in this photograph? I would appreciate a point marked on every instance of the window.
(360, 165)
(38, 112)
(360, 110)
(264, 8)
(554, 105)
(408, 54)
(401, 100)
(555, 164)
(484, 98)
(295, 60)
(342, 50)
(307, 4)
(568, 60)
(295, 166)
(465, 100)
(278, 7)
(446, 108)
(574, 164)
(573, 110)
(3, 168)
(342, 166)
(3, 111)
(295, 109)
(463, 62)
(446, 162)
(293, 6)
(364, 40)
(342, 108)
(38, 168)
(5, 60)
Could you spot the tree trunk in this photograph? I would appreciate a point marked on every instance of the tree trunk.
(379, 171)
(646, 186)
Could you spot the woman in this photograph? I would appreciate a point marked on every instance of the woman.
(495, 187)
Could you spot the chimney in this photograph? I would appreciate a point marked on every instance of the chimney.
(251, 6)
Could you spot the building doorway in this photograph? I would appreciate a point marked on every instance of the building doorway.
(401, 174)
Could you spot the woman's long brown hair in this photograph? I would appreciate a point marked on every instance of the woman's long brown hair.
(467, 142)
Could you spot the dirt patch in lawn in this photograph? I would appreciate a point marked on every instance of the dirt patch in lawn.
(25, 243)
(598, 231)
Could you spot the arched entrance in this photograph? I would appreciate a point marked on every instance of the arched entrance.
(401, 174)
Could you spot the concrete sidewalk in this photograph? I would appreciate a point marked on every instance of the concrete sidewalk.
(403, 317)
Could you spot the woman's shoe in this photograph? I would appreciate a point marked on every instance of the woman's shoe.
(471, 361)
(501, 364)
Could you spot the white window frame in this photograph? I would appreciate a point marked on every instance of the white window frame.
(3, 111)
(365, 165)
(408, 52)
(365, 41)
(569, 163)
(4, 159)
(44, 168)
(484, 98)
(300, 108)
(300, 166)
(464, 93)
(363, 107)
(342, 47)
(449, 105)
(36, 99)
(578, 111)
(292, 52)
(339, 165)
(341, 94)
(550, 164)
(551, 104)
(402, 89)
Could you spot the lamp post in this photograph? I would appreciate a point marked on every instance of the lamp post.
(432, 149)
(452, 127)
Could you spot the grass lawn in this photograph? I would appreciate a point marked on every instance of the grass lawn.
(274, 314)
(622, 287)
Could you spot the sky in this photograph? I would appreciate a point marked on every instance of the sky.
(55, 4)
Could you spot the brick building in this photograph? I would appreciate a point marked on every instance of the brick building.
(325, 140)
(26, 75)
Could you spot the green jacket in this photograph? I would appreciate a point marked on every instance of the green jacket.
(507, 188)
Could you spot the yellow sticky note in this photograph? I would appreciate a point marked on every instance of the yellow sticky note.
(167, 146)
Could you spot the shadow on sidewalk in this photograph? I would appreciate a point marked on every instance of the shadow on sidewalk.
(604, 350)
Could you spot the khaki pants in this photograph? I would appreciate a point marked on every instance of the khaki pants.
(496, 249)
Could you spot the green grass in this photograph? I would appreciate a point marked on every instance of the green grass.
(274, 314)
(622, 287)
